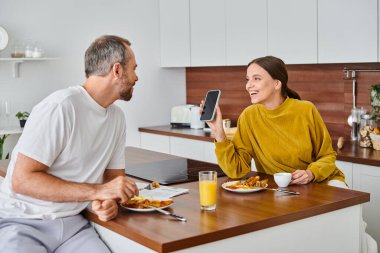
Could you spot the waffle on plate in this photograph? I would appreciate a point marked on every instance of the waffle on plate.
(143, 203)
(250, 183)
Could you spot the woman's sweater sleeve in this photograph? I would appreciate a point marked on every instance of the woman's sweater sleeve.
(234, 157)
(324, 165)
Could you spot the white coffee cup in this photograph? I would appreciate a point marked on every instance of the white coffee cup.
(282, 179)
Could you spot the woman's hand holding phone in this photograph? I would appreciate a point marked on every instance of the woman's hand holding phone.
(216, 124)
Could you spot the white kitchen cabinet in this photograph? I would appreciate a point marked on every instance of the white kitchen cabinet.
(209, 152)
(175, 33)
(208, 34)
(292, 30)
(347, 31)
(193, 149)
(155, 142)
(367, 178)
(212, 32)
(233, 32)
(246, 30)
(188, 148)
(346, 168)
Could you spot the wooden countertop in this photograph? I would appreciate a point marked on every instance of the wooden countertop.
(195, 134)
(235, 214)
(351, 151)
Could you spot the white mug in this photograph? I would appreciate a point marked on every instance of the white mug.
(282, 179)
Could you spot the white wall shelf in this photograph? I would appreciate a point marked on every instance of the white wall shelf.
(17, 61)
(10, 130)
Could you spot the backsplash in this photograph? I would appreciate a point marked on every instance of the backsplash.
(322, 84)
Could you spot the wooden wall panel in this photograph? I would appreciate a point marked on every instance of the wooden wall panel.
(322, 84)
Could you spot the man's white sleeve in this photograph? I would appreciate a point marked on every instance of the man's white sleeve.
(44, 135)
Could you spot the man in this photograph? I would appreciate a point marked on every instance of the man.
(71, 152)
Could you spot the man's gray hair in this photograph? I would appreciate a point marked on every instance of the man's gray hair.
(103, 53)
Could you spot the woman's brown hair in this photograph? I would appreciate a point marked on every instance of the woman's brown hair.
(277, 70)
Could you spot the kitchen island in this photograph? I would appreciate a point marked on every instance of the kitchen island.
(361, 166)
(321, 219)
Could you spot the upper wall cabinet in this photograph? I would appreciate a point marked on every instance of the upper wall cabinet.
(175, 33)
(292, 30)
(212, 32)
(347, 31)
(246, 30)
(208, 34)
(233, 32)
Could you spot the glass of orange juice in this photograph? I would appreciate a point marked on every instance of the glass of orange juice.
(207, 189)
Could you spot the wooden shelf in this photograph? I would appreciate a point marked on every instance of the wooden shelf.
(17, 61)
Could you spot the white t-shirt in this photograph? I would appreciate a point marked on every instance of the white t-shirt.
(77, 139)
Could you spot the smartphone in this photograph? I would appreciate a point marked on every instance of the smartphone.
(209, 107)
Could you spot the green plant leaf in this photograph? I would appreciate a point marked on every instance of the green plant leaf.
(22, 115)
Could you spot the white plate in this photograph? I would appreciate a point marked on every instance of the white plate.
(3, 38)
(141, 185)
(145, 210)
(224, 186)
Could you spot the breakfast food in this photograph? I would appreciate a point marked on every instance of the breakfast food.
(155, 184)
(143, 203)
(250, 183)
(365, 140)
(375, 138)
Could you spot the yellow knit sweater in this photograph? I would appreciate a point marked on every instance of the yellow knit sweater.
(290, 137)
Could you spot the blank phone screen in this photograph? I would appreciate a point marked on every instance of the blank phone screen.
(209, 106)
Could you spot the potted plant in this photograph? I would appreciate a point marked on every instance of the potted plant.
(375, 101)
(22, 116)
(2, 141)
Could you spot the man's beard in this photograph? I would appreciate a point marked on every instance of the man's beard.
(126, 95)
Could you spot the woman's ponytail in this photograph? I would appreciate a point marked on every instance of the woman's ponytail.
(292, 94)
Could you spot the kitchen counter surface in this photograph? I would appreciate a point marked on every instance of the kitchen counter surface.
(351, 151)
(236, 214)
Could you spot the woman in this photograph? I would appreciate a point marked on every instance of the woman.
(279, 131)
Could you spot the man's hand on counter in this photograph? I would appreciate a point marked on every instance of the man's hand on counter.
(106, 209)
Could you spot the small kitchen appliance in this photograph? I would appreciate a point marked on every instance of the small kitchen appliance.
(195, 121)
(185, 116)
(181, 116)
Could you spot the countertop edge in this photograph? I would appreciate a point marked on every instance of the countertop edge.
(181, 135)
(361, 198)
